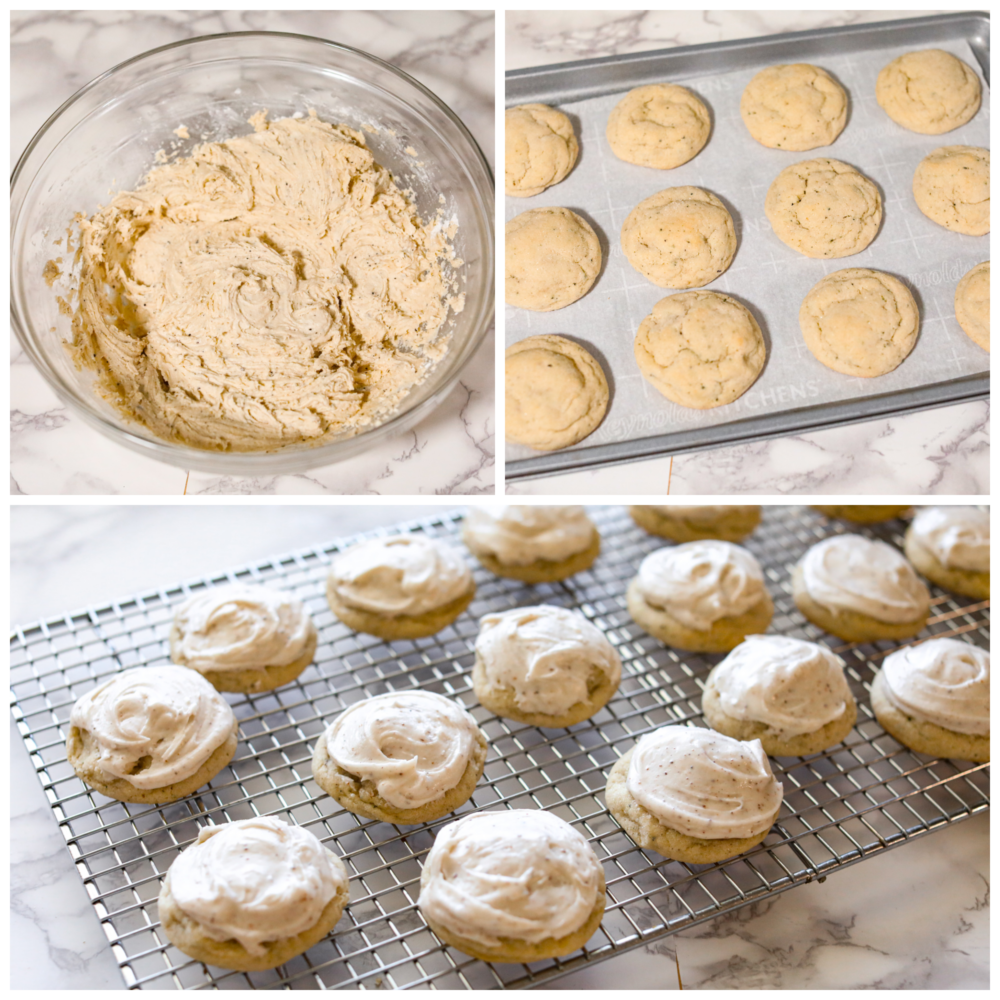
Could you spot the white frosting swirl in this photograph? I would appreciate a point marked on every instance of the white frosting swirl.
(154, 726)
(400, 575)
(523, 874)
(707, 514)
(852, 573)
(793, 686)
(240, 627)
(704, 784)
(943, 681)
(700, 582)
(518, 535)
(414, 746)
(958, 537)
(546, 655)
(255, 880)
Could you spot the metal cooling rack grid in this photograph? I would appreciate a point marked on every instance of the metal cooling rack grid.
(840, 807)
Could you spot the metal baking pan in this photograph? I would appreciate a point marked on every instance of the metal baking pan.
(594, 78)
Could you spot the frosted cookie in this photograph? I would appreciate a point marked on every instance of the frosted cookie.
(951, 546)
(700, 349)
(930, 91)
(706, 596)
(152, 734)
(789, 694)
(533, 544)
(545, 665)
(694, 795)
(727, 522)
(859, 322)
(552, 259)
(555, 391)
(952, 188)
(823, 208)
(860, 590)
(243, 638)
(658, 125)
(795, 106)
(251, 895)
(401, 587)
(540, 149)
(972, 304)
(402, 758)
(512, 886)
(682, 237)
(862, 513)
(935, 698)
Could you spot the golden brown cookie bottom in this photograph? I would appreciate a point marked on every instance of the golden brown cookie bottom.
(958, 581)
(862, 513)
(399, 626)
(541, 570)
(733, 527)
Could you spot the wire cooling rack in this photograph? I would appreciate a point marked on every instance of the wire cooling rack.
(840, 807)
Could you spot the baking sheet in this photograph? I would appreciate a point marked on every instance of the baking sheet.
(768, 277)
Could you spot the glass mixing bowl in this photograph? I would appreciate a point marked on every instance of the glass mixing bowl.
(105, 139)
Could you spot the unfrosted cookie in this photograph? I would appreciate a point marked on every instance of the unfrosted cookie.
(930, 91)
(540, 149)
(729, 523)
(952, 188)
(951, 546)
(795, 106)
(659, 125)
(556, 393)
(862, 513)
(972, 304)
(552, 259)
(700, 349)
(823, 208)
(859, 322)
(681, 237)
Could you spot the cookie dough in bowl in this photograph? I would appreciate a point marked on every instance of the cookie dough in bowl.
(930, 91)
(972, 304)
(952, 188)
(540, 149)
(951, 547)
(658, 125)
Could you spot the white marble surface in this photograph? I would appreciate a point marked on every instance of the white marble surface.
(54, 53)
(941, 451)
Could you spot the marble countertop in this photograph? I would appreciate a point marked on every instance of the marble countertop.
(54, 53)
(915, 917)
(940, 451)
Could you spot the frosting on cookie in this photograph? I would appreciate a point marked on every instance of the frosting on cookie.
(546, 655)
(154, 726)
(401, 575)
(942, 681)
(523, 874)
(700, 582)
(519, 535)
(792, 686)
(958, 537)
(706, 514)
(852, 573)
(255, 880)
(413, 746)
(704, 784)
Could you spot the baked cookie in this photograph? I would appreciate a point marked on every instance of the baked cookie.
(694, 795)
(860, 590)
(552, 258)
(402, 758)
(859, 322)
(545, 665)
(152, 734)
(400, 587)
(952, 188)
(823, 208)
(706, 596)
(727, 522)
(251, 895)
(935, 698)
(972, 304)
(682, 237)
(930, 91)
(789, 694)
(795, 106)
(533, 544)
(555, 392)
(540, 149)
(700, 349)
(862, 513)
(243, 638)
(951, 546)
(658, 125)
(512, 886)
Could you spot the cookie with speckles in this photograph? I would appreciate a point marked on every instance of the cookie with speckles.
(540, 149)
(658, 125)
(972, 304)
(952, 188)
(930, 91)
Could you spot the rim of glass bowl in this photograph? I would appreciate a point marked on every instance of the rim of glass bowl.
(292, 458)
